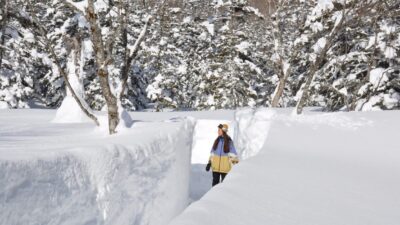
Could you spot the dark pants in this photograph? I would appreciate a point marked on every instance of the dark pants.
(217, 177)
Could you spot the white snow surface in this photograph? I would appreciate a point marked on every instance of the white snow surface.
(3, 105)
(317, 168)
(325, 169)
(71, 174)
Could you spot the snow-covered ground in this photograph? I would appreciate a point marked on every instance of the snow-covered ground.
(318, 168)
(334, 168)
(74, 174)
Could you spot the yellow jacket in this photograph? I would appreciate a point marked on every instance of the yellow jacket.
(220, 161)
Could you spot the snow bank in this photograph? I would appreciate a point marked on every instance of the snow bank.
(341, 168)
(67, 174)
(253, 126)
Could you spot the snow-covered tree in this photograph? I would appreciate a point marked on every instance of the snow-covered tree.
(208, 58)
(361, 70)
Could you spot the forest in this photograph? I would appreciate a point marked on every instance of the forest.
(341, 55)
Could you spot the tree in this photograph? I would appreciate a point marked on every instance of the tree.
(106, 26)
(339, 15)
(286, 38)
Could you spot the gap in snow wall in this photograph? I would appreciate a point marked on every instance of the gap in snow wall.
(131, 181)
(249, 130)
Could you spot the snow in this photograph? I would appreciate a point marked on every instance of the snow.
(3, 105)
(316, 168)
(187, 19)
(378, 77)
(28, 36)
(243, 47)
(391, 100)
(320, 168)
(322, 6)
(316, 27)
(78, 176)
(182, 69)
(371, 104)
(254, 10)
(140, 38)
(70, 111)
(390, 52)
(175, 10)
(319, 45)
(80, 5)
(203, 138)
(204, 135)
(301, 40)
(209, 27)
(253, 126)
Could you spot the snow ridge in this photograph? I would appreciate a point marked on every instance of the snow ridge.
(144, 182)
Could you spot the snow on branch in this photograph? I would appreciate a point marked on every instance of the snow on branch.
(133, 49)
(76, 6)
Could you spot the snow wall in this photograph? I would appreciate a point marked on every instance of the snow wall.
(252, 127)
(317, 168)
(113, 183)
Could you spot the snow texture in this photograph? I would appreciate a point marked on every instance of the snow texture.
(70, 174)
(326, 169)
(3, 105)
(316, 168)
(253, 127)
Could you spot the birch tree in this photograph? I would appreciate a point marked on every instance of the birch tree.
(285, 23)
(104, 39)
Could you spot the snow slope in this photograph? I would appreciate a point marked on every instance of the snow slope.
(72, 174)
(325, 169)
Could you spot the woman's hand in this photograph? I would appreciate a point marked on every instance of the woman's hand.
(234, 160)
(208, 166)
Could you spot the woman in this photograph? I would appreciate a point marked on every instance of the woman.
(223, 155)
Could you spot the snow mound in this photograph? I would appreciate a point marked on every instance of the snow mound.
(52, 174)
(70, 112)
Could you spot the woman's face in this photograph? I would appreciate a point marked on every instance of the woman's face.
(220, 132)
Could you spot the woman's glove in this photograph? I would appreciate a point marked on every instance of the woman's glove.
(234, 160)
(208, 166)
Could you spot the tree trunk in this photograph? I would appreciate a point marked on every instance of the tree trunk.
(3, 28)
(278, 93)
(130, 55)
(111, 101)
(284, 74)
(101, 63)
(50, 49)
(315, 66)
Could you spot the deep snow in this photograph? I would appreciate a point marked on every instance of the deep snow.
(318, 168)
(74, 174)
(332, 168)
